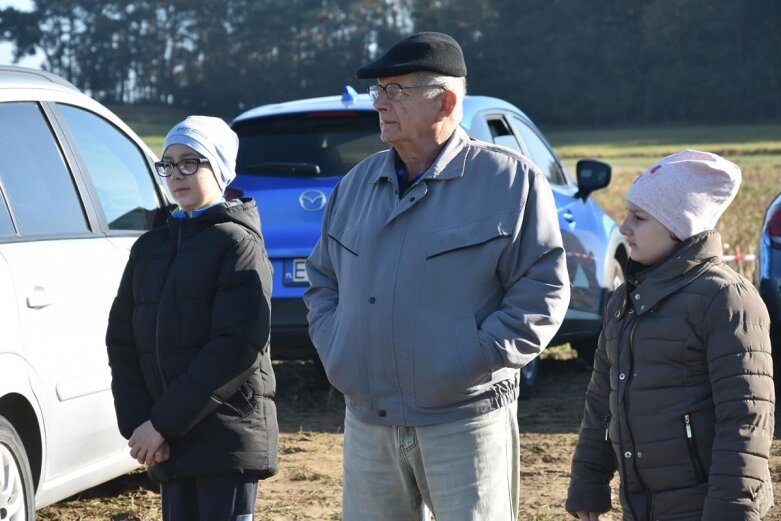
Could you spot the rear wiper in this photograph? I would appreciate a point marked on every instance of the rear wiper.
(284, 168)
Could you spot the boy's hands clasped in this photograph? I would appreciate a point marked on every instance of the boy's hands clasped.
(147, 446)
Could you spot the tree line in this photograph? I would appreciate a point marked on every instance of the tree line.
(565, 62)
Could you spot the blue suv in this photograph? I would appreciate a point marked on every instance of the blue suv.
(291, 155)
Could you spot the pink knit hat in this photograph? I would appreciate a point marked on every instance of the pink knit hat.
(687, 192)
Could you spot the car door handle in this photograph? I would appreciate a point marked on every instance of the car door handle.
(39, 299)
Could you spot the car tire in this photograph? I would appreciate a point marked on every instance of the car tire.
(586, 348)
(529, 374)
(17, 495)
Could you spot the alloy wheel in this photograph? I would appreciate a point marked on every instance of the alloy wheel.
(12, 506)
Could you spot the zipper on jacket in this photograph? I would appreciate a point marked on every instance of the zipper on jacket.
(606, 424)
(157, 349)
(649, 497)
(157, 315)
(620, 439)
(691, 443)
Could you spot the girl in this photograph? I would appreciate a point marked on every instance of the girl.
(188, 337)
(681, 397)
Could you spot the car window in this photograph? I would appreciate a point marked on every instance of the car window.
(118, 169)
(293, 144)
(539, 153)
(501, 133)
(35, 180)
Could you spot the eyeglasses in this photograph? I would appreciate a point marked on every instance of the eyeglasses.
(395, 92)
(185, 166)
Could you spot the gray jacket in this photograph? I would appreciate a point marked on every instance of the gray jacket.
(681, 398)
(423, 309)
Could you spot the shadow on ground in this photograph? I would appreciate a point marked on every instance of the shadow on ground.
(556, 406)
(305, 400)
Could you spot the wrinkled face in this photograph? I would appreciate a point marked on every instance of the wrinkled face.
(193, 191)
(410, 119)
(648, 239)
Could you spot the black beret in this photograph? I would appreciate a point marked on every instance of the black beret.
(435, 52)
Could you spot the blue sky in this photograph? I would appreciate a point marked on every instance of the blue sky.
(6, 49)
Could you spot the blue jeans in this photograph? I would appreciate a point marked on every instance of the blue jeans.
(467, 470)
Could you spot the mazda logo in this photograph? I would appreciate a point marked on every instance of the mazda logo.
(312, 200)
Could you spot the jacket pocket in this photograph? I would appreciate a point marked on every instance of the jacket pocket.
(472, 234)
(691, 444)
(680, 504)
(240, 404)
(343, 353)
(323, 332)
(344, 233)
(451, 369)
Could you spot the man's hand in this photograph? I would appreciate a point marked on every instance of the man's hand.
(587, 516)
(145, 442)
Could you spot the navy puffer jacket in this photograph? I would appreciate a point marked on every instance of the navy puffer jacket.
(188, 343)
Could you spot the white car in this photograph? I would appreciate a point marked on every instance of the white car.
(77, 187)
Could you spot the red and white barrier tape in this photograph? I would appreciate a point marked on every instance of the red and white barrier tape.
(739, 258)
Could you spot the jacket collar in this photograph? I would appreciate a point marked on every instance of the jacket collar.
(450, 162)
(649, 285)
(179, 213)
(243, 212)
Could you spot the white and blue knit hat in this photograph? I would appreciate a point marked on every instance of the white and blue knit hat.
(213, 139)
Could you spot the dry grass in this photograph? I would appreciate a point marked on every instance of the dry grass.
(739, 226)
(656, 142)
(308, 486)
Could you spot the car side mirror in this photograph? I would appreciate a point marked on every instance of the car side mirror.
(592, 175)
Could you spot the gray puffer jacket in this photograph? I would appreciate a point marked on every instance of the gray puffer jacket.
(681, 397)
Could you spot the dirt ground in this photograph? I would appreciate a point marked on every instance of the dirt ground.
(308, 486)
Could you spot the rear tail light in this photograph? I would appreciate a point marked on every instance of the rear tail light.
(233, 193)
(774, 228)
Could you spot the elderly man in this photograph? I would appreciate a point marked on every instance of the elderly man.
(438, 275)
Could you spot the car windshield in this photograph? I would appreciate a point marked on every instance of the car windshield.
(311, 144)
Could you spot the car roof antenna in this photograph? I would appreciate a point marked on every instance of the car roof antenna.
(348, 96)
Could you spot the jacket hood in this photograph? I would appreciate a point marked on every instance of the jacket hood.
(243, 212)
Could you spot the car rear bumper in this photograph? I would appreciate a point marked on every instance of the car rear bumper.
(290, 330)
(575, 329)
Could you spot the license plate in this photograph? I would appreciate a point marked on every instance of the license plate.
(295, 272)
(299, 270)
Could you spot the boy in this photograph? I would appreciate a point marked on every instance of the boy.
(188, 337)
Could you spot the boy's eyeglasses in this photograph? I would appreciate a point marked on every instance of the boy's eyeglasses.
(185, 166)
(395, 92)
